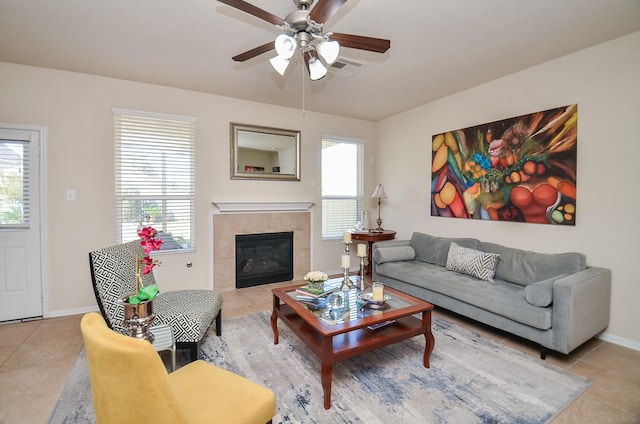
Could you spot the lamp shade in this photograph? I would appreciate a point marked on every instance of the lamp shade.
(279, 64)
(379, 193)
(316, 69)
(329, 51)
(285, 46)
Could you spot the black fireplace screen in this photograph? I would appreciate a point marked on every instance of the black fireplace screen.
(263, 258)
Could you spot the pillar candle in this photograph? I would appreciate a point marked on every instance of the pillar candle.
(346, 261)
(347, 237)
(377, 291)
(362, 250)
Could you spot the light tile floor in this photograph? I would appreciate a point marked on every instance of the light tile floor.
(37, 356)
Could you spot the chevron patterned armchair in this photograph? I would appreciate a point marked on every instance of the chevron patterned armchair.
(190, 313)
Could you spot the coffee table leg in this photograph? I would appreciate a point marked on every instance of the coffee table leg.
(326, 369)
(428, 336)
(274, 319)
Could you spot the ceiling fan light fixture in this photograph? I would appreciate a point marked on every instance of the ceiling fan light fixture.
(316, 69)
(279, 64)
(303, 31)
(329, 50)
(285, 46)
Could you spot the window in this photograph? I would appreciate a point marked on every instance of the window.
(14, 184)
(342, 186)
(155, 176)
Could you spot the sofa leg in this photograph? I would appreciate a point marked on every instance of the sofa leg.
(543, 353)
(219, 323)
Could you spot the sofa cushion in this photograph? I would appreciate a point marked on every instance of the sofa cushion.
(434, 250)
(396, 253)
(499, 297)
(540, 293)
(472, 262)
(523, 267)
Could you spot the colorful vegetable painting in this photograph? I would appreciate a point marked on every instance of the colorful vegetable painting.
(521, 169)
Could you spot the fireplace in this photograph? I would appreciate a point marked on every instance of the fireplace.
(263, 258)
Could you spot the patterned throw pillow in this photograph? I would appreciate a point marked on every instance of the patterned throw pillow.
(472, 262)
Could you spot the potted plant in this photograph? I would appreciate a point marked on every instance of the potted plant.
(315, 280)
(138, 306)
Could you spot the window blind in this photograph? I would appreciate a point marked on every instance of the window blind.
(155, 176)
(342, 186)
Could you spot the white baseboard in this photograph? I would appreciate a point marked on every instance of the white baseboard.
(612, 338)
(77, 311)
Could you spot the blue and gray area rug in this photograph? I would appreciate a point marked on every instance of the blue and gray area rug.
(472, 379)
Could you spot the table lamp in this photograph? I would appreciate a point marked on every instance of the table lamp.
(379, 194)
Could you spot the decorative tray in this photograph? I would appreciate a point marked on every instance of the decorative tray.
(374, 304)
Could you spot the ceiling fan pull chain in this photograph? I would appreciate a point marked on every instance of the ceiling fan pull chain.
(302, 69)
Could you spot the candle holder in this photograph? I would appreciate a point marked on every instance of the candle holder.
(361, 274)
(346, 281)
(345, 295)
(347, 247)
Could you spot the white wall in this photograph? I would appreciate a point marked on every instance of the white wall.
(605, 83)
(77, 110)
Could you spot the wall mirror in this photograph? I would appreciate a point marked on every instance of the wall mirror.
(263, 153)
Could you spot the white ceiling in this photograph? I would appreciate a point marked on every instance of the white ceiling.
(438, 47)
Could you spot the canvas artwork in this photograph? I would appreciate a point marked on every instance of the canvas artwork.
(521, 169)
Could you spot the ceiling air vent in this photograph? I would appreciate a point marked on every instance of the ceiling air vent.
(343, 66)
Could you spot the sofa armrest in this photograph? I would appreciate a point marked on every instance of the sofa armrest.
(388, 243)
(581, 306)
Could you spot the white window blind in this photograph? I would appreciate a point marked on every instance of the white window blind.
(14, 184)
(155, 176)
(342, 186)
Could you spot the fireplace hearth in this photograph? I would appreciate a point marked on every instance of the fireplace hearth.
(263, 258)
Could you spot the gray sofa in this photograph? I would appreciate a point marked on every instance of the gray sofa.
(554, 300)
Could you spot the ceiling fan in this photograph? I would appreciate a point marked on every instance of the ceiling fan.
(303, 30)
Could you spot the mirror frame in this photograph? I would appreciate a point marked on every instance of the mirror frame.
(237, 174)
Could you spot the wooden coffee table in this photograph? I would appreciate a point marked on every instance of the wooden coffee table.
(341, 334)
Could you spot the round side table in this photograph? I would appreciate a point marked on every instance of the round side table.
(371, 237)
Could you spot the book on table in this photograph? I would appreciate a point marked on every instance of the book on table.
(307, 291)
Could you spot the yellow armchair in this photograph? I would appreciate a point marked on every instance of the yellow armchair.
(129, 382)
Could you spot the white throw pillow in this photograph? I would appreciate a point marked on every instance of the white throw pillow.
(472, 262)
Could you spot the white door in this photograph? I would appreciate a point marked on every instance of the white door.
(20, 241)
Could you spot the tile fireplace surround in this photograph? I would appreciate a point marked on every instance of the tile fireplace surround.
(254, 218)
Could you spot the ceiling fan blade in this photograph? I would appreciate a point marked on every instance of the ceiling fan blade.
(309, 55)
(325, 9)
(257, 51)
(378, 45)
(254, 10)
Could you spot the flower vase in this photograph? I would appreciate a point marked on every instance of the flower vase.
(138, 318)
(316, 285)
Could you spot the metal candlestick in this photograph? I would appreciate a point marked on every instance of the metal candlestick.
(346, 287)
(347, 247)
(346, 281)
(361, 274)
